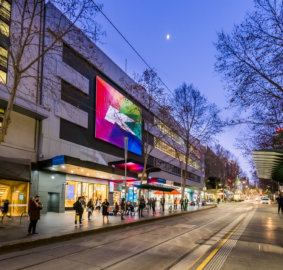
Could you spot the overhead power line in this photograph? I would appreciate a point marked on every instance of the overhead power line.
(130, 45)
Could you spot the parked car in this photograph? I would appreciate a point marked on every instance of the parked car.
(265, 200)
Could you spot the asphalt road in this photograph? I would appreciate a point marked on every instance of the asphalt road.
(232, 236)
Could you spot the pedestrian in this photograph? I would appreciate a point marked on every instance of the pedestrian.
(182, 204)
(186, 202)
(90, 208)
(5, 209)
(98, 204)
(105, 210)
(34, 214)
(141, 206)
(162, 202)
(280, 203)
(175, 204)
(122, 207)
(218, 200)
(153, 204)
(116, 209)
(77, 206)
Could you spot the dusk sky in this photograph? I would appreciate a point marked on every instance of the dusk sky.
(189, 54)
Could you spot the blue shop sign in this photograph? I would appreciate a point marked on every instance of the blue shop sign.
(58, 160)
(161, 181)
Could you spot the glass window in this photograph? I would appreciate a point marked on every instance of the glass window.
(4, 28)
(16, 192)
(3, 76)
(5, 9)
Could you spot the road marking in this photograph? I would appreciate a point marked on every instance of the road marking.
(206, 261)
(217, 257)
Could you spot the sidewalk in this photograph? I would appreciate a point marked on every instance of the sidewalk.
(61, 226)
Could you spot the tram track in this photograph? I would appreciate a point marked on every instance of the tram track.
(204, 220)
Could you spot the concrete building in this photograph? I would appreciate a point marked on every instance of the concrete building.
(76, 138)
(19, 148)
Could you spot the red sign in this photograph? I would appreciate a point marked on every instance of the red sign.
(279, 129)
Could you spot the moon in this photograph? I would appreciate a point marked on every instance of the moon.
(168, 36)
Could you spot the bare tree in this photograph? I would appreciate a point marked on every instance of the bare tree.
(250, 59)
(198, 120)
(25, 47)
(150, 93)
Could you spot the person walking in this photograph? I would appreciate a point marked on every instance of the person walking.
(280, 203)
(182, 204)
(34, 214)
(162, 202)
(153, 204)
(122, 206)
(98, 204)
(116, 209)
(175, 204)
(90, 208)
(186, 202)
(141, 206)
(105, 210)
(5, 209)
(77, 206)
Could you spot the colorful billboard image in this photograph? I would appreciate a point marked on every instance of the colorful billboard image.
(116, 118)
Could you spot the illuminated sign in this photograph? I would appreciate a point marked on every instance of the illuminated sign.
(279, 129)
(111, 187)
(130, 166)
(70, 192)
(116, 118)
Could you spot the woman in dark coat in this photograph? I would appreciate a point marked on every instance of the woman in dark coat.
(105, 210)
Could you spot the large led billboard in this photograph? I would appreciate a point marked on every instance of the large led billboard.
(116, 118)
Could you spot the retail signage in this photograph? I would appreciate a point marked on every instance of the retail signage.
(58, 160)
(131, 194)
(157, 180)
(70, 192)
(116, 118)
(111, 187)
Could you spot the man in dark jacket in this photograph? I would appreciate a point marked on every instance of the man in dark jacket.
(280, 203)
(5, 209)
(79, 209)
(34, 214)
(141, 206)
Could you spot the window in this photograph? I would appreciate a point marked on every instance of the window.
(1, 116)
(4, 28)
(170, 151)
(5, 16)
(5, 10)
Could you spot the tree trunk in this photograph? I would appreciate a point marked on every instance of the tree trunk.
(9, 109)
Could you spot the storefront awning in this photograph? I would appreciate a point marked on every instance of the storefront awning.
(75, 166)
(152, 187)
(269, 164)
(132, 166)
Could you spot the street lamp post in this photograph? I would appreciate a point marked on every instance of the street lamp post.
(126, 161)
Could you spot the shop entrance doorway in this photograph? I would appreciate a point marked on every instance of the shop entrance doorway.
(53, 202)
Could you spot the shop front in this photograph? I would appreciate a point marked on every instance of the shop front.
(16, 192)
(14, 185)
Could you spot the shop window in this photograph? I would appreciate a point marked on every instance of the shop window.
(16, 192)
(75, 189)
(5, 10)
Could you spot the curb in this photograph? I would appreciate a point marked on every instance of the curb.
(22, 245)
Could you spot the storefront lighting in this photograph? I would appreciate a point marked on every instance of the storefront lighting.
(52, 177)
(87, 174)
(82, 170)
(72, 171)
(63, 167)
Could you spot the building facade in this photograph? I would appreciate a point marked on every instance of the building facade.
(76, 137)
